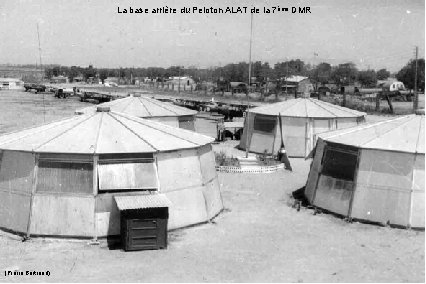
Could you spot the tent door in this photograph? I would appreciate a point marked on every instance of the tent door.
(335, 185)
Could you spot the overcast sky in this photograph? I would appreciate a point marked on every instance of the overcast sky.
(376, 34)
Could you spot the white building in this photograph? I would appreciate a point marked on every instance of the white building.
(11, 84)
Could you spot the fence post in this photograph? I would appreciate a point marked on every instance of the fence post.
(344, 99)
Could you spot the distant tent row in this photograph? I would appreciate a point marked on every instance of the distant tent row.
(60, 179)
(302, 119)
(373, 172)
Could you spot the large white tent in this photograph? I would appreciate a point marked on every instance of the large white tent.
(301, 120)
(148, 108)
(60, 179)
(372, 172)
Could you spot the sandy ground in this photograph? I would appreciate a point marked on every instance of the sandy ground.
(258, 237)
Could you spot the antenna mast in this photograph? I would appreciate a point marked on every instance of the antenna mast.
(42, 73)
(249, 85)
(39, 52)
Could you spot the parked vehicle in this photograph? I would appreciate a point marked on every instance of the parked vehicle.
(34, 86)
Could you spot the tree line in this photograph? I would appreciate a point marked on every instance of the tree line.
(321, 74)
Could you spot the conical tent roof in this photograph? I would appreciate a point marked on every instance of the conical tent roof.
(139, 106)
(102, 132)
(404, 134)
(307, 107)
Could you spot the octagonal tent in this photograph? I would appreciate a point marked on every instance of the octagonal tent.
(301, 119)
(148, 108)
(372, 172)
(60, 179)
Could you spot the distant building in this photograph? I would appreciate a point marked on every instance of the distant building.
(93, 80)
(297, 84)
(78, 79)
(59, 80)
(11, 84)
(238, 87)
(181, 80)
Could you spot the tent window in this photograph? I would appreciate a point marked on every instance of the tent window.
(339, 164)
(127, 176)
(264, 124)
(64, 177)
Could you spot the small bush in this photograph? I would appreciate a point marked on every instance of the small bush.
(266, 160)
(222, 160)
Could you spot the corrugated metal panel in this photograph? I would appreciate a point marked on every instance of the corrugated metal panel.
(307, 107)
(129, 202)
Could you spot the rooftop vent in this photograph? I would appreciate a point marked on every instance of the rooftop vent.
(103, 109)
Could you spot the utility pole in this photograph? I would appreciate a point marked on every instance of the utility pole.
(416, 95)
(248, 92)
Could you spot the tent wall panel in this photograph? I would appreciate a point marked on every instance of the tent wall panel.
(188, 207)
(16, 171)
(381, 205)
(179, 169)
(261, 142)
(315, 169)
(172, 120)
(419, 173)
(206, 127)
(346, 122)
(383, 187)
(334, 194)
(385, 169)
(61, 215)
(321, 125)
(277, 141)
(14, 211)
(318, 126)
(294, 130)
(107, 214)
(248, 130)
(418, 194)
(213, 199)
(207, 163)
(418, 210)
